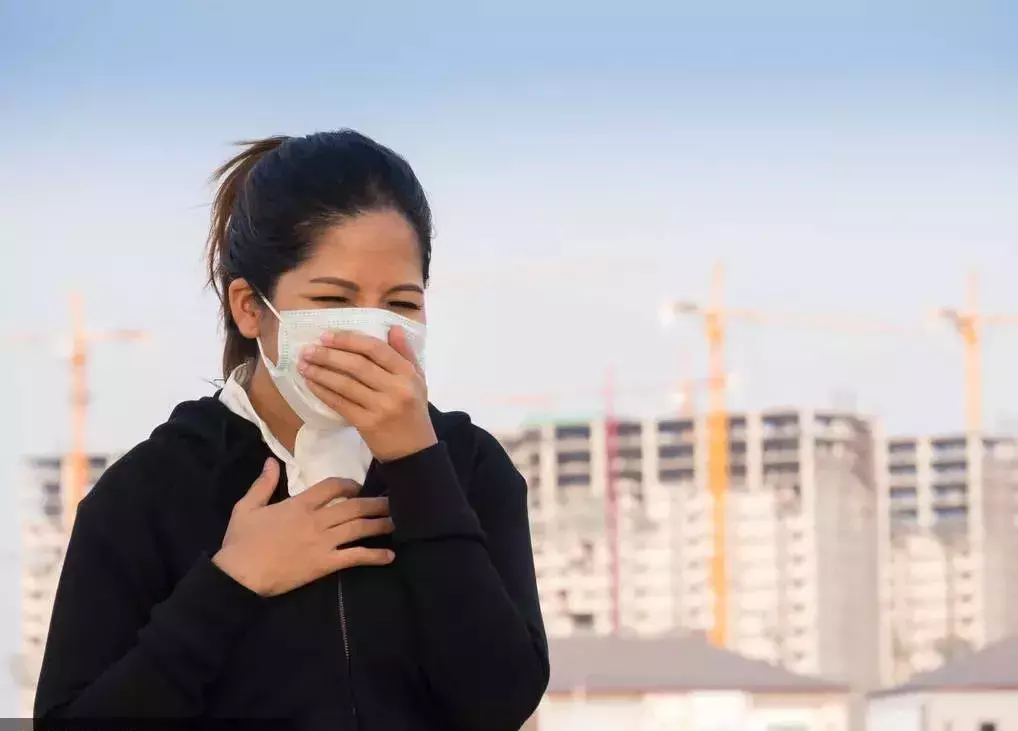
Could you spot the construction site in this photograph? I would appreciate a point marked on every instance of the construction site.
(807, 539)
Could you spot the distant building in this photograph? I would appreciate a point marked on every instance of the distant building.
(652, 684)
(44, 540)
(978, 692)
(801, 533)
(948, 547)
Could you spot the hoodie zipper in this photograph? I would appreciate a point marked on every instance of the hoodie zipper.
(346, 648)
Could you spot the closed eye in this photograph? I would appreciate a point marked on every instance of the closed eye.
(332, 300)
(405, 305)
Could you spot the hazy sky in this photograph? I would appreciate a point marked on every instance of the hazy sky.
(584, 160)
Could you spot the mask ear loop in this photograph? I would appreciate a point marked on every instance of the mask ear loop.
(265, 301)
(272, 367)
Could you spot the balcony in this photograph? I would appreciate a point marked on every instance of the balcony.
(903, 497)
(949, 455)
(780, 454)
(906, 480)
(574, 468)
(949, 495)
(572, 444)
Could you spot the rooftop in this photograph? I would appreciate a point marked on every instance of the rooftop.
(676, 663)
(995, 667)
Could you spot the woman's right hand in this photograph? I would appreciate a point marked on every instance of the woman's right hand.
(272, 549)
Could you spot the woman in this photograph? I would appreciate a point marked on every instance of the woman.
(315, 543)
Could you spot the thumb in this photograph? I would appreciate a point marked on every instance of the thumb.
(401, 344)
(262, 488)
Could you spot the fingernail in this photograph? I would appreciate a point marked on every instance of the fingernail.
(390, 555)
(302, 367)
(268, 465)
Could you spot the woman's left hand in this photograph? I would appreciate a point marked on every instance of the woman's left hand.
(376, 386)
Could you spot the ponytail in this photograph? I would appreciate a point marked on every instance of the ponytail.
(231, 177)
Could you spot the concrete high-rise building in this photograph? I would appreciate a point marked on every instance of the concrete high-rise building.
(44, 539)
(949, 549)
(801, 533)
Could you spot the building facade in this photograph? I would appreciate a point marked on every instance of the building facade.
(800, 533)
(44, 539)
(949, 549)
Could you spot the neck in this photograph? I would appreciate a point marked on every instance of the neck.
(272, 408)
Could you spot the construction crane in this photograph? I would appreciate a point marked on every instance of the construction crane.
(969, 323)
(75, 477)
(715, 316)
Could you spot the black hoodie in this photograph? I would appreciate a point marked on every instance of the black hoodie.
(449, 636)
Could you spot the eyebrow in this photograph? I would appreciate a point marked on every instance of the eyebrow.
(406, 288)
(347, 284)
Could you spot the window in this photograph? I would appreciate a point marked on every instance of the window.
(573, 458)
(572, 432)
(573, 480)
(586, 622)
(675, 451)
(628, 429)
(675, 427)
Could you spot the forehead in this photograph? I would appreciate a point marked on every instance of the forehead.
(369, 247)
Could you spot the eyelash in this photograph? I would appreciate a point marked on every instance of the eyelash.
(344, 301)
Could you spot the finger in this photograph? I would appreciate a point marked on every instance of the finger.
(345, 558)
(324, 492)
(363, 507)
(355, 530)
(356, 365)
(401, 344)
(346, 408)
(262, 489)
(339, 383)
(378, 351)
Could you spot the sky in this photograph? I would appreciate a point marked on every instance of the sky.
(585, 161)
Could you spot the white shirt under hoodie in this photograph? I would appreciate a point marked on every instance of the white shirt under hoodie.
(317, 455)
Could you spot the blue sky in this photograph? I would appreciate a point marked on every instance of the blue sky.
(583, 159)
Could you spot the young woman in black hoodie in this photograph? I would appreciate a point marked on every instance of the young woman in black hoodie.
(315, 544)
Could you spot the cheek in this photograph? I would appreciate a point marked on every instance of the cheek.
(268, 333)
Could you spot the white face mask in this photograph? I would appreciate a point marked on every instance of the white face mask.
(301, 328)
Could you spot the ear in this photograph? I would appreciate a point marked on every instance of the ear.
(246, 308)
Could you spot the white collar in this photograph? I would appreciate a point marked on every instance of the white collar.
(317, 454)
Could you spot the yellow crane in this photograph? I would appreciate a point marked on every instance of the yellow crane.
(714, 316)
(969, 322)
(76, 472)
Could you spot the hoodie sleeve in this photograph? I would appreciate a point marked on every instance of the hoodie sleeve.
(122, 641)
(469, 570)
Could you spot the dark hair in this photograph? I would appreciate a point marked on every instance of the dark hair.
(277, 195)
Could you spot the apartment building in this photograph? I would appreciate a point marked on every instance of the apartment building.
(800, 533)
(44, 539)
(949, 549)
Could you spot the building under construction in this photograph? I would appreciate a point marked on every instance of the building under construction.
(949, 549)
(846, 551)
(624, 533)
(44, 539)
